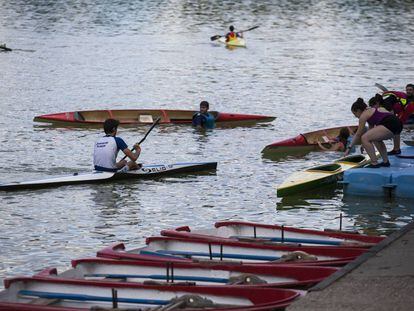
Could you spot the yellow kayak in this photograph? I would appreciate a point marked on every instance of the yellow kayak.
(320, 175)
(239, 42)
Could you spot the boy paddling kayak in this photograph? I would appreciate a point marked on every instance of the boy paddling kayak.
(107, 147)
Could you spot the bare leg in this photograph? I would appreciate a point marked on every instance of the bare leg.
(397, 142)
(382, 150)
(376, 134)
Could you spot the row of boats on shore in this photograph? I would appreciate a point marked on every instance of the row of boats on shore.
(234, 266)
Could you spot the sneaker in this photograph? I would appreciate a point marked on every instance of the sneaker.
(385, 164)
(394, 152)
(373, 166)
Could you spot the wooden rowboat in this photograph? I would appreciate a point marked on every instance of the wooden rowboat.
(146, 171)
(320, 176)
(162, 273)
(264, 233)
(57, 294)
(302, 143)
(234, 251)
(137, 117)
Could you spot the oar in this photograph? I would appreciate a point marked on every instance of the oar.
(146, 134)
(381, 87)
(3, 47)
(213, 38)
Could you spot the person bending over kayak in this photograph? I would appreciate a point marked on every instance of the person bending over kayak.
(203, 118)
(107, 147)
(391, 104)
(230, 36)
(338, 143)
(382, 125)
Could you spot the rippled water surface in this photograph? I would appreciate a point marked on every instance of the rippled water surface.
(306, 64)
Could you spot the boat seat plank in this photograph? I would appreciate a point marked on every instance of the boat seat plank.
(84, 297)
(160, 277)
(217, 255)
(44, 301)
(291, 240)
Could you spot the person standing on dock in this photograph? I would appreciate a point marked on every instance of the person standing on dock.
(107, 147)
(203, 118)
(382, 125)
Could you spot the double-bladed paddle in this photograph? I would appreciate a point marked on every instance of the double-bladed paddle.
(213, 38)
(146, 134)
(4, 47)
(381, 87)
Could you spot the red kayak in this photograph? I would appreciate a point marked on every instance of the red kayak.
(303, 143)
(143, 116)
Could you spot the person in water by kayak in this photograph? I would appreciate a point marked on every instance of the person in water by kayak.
(382, 125)
(338, 143)
(107, 147)
(203, 118)
(232, 35)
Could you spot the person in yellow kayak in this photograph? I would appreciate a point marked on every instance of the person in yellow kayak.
(232, 35)
(107, 147)
(203, 118)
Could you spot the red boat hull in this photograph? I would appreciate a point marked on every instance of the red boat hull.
(142, 116)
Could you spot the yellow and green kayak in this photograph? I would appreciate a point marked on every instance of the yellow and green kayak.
(239, 42)
(321, 175)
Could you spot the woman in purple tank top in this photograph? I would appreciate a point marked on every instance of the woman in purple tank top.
(382, 125)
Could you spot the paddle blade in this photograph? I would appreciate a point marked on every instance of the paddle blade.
(381, 87)
(254, 27)
(213, 38)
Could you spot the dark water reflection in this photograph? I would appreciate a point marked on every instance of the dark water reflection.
(306, 64)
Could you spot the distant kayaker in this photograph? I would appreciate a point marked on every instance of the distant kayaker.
(107, 147)
(338, 143)
(232, 35)
(203, 118)
(382, 125)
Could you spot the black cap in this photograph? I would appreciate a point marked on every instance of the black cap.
(231, 28)
(110, 125)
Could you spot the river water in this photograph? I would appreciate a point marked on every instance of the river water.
(306, 64)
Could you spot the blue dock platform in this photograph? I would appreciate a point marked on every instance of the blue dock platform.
(396, 181)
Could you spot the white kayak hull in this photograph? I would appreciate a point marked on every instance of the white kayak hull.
(147, 171)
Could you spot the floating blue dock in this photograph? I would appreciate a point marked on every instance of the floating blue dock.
(396, 181)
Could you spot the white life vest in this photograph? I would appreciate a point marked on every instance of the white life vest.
(105, 152)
